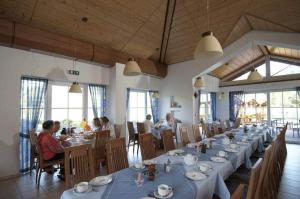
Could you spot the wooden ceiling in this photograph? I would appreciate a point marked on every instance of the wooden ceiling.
(136, 26)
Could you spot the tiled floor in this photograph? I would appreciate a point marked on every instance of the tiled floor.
(51, 187)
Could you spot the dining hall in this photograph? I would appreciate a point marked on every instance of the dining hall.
(150, 99)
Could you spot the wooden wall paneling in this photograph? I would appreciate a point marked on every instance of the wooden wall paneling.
(6, 32)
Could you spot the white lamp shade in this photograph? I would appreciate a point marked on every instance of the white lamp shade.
(132, 68)
(75, 88)
(199, 83)
(155, 95)
(254, 76)
(208, 47)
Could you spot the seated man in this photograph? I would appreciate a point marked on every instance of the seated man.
(56, 127)
(148, 124)
(51, 149)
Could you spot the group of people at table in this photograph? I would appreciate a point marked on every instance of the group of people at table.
(52, 147)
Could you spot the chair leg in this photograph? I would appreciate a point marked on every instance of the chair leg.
(37, 172)
(39, 178)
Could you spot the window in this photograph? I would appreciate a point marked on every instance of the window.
(284, 106)
(254, 107)
(139, 105)
(261, 69)
(66, 107)
(205, 107)
(279, 68)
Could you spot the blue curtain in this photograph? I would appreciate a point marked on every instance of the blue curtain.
(235, 102)
(127, 103)
(213, 101)
(33, 92)
(298, 92)
(98, 97)
(154, 106)
(197, 106)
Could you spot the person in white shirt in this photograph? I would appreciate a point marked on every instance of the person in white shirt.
(105, 125)
(148, 124)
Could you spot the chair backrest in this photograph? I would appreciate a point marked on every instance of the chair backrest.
(118, 130)
(228, 126)
(184, 135)
(79, 164)
(140, 127)
(131, 130)
(116, 155)
(101, 138)
(223, 126)
(254, 178)
(215, 129)
(207, 130)
(237, 123)
(147, 146)
(261, 184)
(196, 133)
(238, 193)
(167, 138)
(33, 140)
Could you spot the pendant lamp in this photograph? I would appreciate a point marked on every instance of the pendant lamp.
(254, 76)
(208, 47)
(132, 68)
(75, 88)
(199, 83)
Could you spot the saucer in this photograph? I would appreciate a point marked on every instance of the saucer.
(195, 175)
(162, 197)
(90, 188)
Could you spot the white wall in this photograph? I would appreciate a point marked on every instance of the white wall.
(15, 63)
(178, 83)
(223, 105)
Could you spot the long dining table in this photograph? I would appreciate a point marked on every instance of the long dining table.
(123, 184)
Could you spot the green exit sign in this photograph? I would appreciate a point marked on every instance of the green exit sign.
(73, 72)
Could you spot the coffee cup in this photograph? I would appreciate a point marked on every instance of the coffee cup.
(222, 153)
(164, 190)
(82, 187)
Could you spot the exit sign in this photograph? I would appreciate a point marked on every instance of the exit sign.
(73, 72)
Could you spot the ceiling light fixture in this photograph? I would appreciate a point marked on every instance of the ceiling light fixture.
(254, 74)
(208, 46)
(75, 88)
(199, 83)
(132, 68)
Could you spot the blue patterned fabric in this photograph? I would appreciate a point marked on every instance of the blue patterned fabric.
(213, 100)
(98, 98)
(33, 92)
(235, 102)
(154, 106)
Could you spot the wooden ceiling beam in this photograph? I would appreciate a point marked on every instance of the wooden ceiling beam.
(26, 37)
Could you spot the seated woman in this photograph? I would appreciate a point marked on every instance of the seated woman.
(107, 126)
(51, 148)
(169, 122)
(97, 124)
(148, 124)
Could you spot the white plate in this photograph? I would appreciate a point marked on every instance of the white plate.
(231, 150)
(218, 159)
(242, 143)
(195, 175)
(162, 197)
(209, 166)
(101, 180)
(148, 162)
(140, 168)
(90, 188)
(175, 152)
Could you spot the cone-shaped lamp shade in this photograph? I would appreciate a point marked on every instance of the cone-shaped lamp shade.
(155, 95)
(254, 76)
(75, 88)
(199, 83)
(208, 47)
(132, 68)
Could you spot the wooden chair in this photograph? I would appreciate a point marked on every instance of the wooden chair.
(215, 129)
(118, 130)
(254, 178)
(133, 137)
(207, 132)
(196, 133)
(99, 151)
(238, 193)
(262, 184)
(79, 164)
(140, 127)
(116, 155)
(147, 146)
(228, 126)
(34, 156)
(43, 164)
(184, 136)
(237, 123)
(167, 138)
(223, 127)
